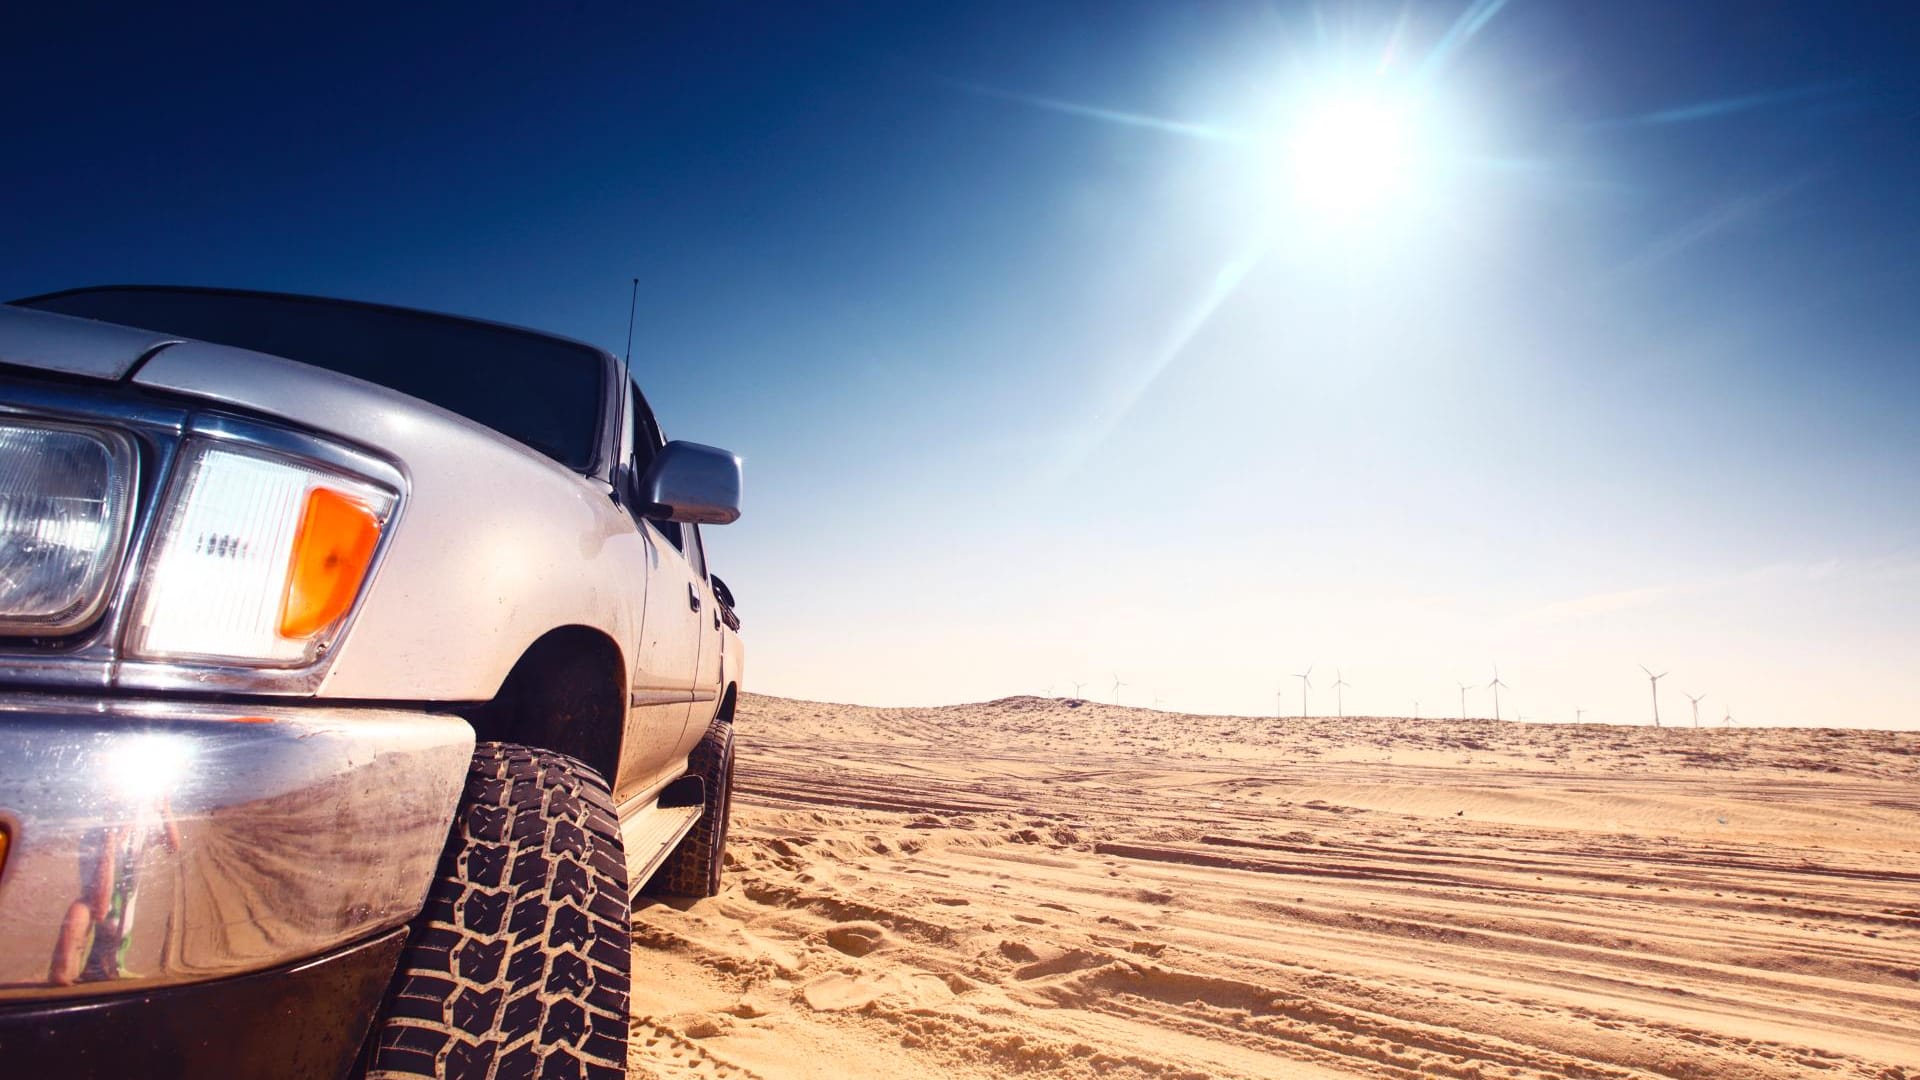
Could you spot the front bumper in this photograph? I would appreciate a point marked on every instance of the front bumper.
(155, 843)
(304, 1022)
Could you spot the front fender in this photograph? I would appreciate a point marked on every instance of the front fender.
(498, 543)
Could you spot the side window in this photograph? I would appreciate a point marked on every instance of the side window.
(672, 531)
(637, 445)
(696, 554)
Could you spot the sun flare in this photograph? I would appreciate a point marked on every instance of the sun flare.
(1353, 153)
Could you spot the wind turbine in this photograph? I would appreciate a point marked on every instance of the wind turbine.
(1117, 684)
(1339, 703)
(1463, 699)
(1076, 691)
(1279, 696)
(1695, 699)
(1156, 699)
(1577, 714)
(1416, 708)
(1496, 685)
(1306, 684)
(1727, 720)
(1655, 681)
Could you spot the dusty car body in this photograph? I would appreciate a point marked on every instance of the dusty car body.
(231, 800)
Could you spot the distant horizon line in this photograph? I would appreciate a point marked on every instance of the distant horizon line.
(1505, 722)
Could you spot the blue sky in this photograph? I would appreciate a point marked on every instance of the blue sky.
(1046, 367)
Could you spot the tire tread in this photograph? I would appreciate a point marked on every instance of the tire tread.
(500, 976)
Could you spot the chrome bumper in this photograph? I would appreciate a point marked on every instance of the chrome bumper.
(155, 843)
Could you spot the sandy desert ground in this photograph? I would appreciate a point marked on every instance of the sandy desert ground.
(1041, 887)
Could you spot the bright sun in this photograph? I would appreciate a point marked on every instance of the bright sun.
(1352, 154)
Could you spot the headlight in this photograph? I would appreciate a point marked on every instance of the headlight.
(257, 558)
(65, 497)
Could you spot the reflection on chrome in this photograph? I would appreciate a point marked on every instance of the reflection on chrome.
(141, 771)
(159, 843)
(94, 937)
(146, 766)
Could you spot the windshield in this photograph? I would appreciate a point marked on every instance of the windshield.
(541, 391)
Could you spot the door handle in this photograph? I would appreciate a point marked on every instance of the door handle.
(693, 596)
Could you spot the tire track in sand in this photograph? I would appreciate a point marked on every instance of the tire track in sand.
(965, 892)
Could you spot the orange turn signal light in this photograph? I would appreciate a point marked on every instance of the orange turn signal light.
(332, 549)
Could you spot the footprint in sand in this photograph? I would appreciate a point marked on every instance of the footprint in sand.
(751, 1006)
(841, 993)
(758, 950)
(1018, 953)
(1069, 961)
(659, 1050)
(856, 938)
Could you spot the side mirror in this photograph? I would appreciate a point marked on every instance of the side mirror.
(721, 592)
(691, 482)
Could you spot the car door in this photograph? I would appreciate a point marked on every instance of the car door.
(710, 675)
(668, 649)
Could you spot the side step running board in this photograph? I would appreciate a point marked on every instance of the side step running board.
(650, 835)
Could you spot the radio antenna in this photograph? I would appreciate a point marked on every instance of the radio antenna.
(626, 373)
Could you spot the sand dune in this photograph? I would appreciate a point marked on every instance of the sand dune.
(1033, 886)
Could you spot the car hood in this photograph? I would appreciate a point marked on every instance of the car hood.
(73, 346)
(327, 402)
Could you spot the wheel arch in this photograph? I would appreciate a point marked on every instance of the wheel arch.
(566, 693)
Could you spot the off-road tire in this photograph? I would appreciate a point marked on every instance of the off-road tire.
(694, 867)
(519, 965)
